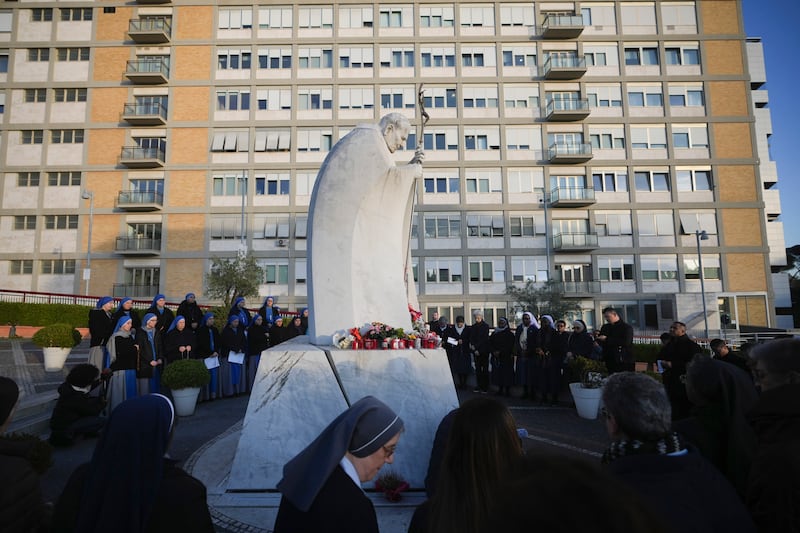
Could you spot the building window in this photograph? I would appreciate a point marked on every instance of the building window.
(440, 97)
(607, 140)
(275, 17)
(64, 179)
(693, 180)
(276, 274)
(442, 185)
(442, 226)
(655, 224)
(66, 136)
(233, 100)
(522, 226)
(28, 179)
(314, 140)
(444, 139)
(473, 59)
(23, 222)
(651, 181)
(304, 183)
(612, 224)
(443, 270)
(436, 17)
(315, 58)
(528, 269)
(485, 271)
(300, 272)
(397, 57)
(57, 266)
(301, 228)
(519, 56)
(32, 136)
(682, 55)
(226, 227)
(645, 96)
(615, 268)
(234, 59)
(43, 14)
(485, 225)
(694, 221)
(274, 99)
(355, 17)
(522, 138)
(610, 181)
(517, 15)
(398, 98)
(20, 266)
(314, 99)
(35, 95)
(315, 17)
(69, 95)
(38, 54)
(517, 97)
(478, 97)
(273, 184)
(395, 17)
(73, 54)
(3, 61)
(235, 18)
(76, 14)
(271, 227)
(711, 269)
(604, 96)
(476, 17)
(483, 182)
(272, 140)
(229, 185)
(61, 222)
(522, 181)
(356, 98)
(686, 96)
(275, 58)
(230, 141)
(659, 268)
(356, 57)
(679, 18)
(648, 137)
(690, 136)
(641, 55)
(437, 57)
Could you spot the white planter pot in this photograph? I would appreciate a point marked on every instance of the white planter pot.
(185, 400)
(54, 358)
(587, 401)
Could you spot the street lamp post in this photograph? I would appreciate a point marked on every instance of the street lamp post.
(87, 272)
(545, 201)
(702, 235)
(242, 242)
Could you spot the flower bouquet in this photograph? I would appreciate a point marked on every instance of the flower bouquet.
(392, 485)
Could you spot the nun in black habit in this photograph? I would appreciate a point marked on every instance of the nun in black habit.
(321, 485)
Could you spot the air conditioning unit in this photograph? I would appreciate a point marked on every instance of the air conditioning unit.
(283, 243)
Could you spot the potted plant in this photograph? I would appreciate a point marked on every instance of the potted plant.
(185, 377)
(587, 392)
(392, 485)
(56, 342)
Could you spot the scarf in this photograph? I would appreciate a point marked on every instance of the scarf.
(666, 445)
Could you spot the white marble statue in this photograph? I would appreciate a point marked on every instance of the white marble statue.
(359, 222)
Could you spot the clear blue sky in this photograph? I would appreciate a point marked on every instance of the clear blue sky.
(775, 21)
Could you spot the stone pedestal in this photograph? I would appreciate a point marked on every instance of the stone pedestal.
(301, 388)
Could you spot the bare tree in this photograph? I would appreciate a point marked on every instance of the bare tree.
(544, 299)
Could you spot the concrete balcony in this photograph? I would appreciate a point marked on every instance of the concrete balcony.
(151, 30)
(562, 26)
(137, 246)
(136, 157)
(147, 71)
(572, 196)
(569, 153)
(140, 200)
(578, 289)
(153, 114)
(569, 242)
(567, 110)
(564, 67)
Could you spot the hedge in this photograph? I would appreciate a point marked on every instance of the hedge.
(27, 314)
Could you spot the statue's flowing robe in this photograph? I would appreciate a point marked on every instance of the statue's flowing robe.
(358, 253)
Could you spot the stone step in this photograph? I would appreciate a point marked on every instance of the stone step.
(33, 413)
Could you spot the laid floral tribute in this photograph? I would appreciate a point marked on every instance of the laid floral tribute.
(392, 485)
(377, 335)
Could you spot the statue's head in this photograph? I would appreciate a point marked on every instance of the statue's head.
(395, 128)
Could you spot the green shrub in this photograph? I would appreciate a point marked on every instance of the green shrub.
(646, 353)
(57, 336)
(186, 373)
(579, 367)
(29, 314)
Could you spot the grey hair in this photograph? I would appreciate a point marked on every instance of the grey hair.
(397, 120)
(779, 357)
(639, 404)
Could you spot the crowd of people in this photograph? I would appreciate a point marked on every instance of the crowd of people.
(712, 448)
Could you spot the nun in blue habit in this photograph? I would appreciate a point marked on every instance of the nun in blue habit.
(123, 353)
(101, 326)
(321, 486)
(151, 355)
(164, 313)
(232, 375)
(269, 311)
(240, 311)
(209, 344)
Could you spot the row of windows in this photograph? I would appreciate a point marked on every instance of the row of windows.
(45, 14)
(62, 178)
(56, 136)
(28, 222)
(62, 54)
(59, 95)
(46, 266)
(634, 18)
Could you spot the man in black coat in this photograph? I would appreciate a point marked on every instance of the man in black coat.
(723, 352)
(616, 339)
(675, 356)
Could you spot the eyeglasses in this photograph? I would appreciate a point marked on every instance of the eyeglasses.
(388, 451)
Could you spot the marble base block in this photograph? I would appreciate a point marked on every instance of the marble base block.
(301, 388)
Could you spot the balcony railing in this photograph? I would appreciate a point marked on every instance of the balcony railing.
(564, 66)
(137, 157)
(148, 71)
(575, 241)
(572, 196)
(138, 245)
(140, 200)
(569, 152)
(574, 288)
(121, 290)
(150, 114)
(150, 30)
(556, 26)
(571, 109)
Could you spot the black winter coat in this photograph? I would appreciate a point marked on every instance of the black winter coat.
(21, 504)
(72, 405)
(100, 327)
